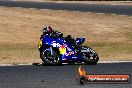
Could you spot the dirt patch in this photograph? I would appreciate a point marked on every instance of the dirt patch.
(109, 35)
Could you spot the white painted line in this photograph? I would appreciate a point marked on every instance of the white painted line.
(33, 8)
(100, 13)
(113, 61)
(114, 4)
(68, 10)
(44, 9)
(17, 7)
(15, 64)
(108, 14)
(123, 15)
(63, 63)
(75, 11)
(90, 12)
(6, 65)
(25, 64)
(113, 14)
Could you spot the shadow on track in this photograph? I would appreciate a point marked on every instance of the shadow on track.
(69, 64)
(43, 64)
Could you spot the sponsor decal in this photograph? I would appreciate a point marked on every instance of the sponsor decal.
(64, 58)
(70, 53)
(54, 44)
(69, 49)
(62, 50)
(40, 44)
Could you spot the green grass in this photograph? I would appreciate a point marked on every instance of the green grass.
(19, 53)
(129, 35)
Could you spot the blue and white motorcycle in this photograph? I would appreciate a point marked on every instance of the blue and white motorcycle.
(55, 50)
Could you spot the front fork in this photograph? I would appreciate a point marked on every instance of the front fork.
(51, 50)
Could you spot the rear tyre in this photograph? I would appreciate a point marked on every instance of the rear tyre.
(50, 59)
(91, 57)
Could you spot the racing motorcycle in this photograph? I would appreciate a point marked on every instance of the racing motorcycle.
(55, 50)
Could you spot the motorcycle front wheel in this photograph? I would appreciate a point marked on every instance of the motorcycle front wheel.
(90, 57)
(50, 59)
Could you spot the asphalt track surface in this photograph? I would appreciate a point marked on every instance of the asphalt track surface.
(97, 8)
(59, 76)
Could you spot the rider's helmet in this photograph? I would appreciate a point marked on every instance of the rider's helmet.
(47, 30)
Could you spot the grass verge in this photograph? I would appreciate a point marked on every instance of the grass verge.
(20, 28)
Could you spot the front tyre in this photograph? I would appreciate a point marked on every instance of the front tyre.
(50, 59)
(90, 57)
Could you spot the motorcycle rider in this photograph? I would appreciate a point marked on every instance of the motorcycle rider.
(72, 41)
(49, 31)
(46, 31)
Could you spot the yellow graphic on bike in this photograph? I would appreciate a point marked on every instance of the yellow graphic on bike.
(40, 44)
(62, 50)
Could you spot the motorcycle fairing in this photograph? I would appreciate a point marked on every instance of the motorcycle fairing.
(66, 50)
